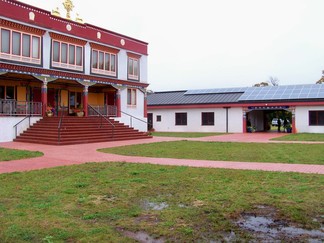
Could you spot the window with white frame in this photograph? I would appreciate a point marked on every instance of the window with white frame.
(20, 46)
(133, 68)
(131, 97)
(67, 55)
(103, 63)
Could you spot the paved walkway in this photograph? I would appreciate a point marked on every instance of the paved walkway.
(79, 154)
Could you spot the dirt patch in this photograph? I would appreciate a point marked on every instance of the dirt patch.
(264, 224)
(141, 236)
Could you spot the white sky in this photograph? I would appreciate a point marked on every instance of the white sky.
(216, 43)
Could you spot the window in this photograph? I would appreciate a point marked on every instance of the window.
(158, 118)
(66, 55)
(133, 68)
(316, 118)
(131, 97)
(103, 62)
(207, 118)
(181, 119)
(20, 46)
(7, 92)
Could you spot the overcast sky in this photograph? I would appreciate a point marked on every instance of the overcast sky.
(216, 43)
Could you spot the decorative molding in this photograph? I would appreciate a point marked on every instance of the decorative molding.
(20, 27)
(67, 39)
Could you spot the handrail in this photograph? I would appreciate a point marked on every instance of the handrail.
(60, 124)
(15, 126)
(113, 130)
(131, 116)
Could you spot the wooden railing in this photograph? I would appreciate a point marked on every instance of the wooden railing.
(20, 108)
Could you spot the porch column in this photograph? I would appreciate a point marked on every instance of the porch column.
(44, 97)
(118, 103)
(145, 105)
(244, 120)
(293, 122)
(85, 100)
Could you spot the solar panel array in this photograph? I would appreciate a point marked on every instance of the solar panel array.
(311, 91)
(215, 91)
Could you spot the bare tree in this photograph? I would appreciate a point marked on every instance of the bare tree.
(274, 81)
(262, 84)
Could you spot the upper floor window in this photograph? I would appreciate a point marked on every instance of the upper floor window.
(316, 118)
(133, 66)
(7, 92)
(103, 63)
(67, 55)
(20, 46)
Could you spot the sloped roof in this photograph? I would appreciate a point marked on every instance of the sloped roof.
(238, 95)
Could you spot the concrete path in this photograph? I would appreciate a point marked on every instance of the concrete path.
(79, 154)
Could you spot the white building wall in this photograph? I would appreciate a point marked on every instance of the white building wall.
(302, 119)
(143, 69)
(136, 111)
(167, 124)
(46, 50)
(7, 131)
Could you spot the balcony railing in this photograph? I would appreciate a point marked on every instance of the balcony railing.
(20, 108)
(105, 110)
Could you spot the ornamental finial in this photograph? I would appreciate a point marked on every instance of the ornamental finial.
(68, 5)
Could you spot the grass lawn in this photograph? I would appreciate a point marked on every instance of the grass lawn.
(103, 202)
(227, 151)
(185, 134)
(14, 154)
(319, 137)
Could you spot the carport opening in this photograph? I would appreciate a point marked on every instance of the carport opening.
(263, 120)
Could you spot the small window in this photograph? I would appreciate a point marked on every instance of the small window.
(158, 118)
(316, 118)
(207, 118)
(181, 119)
(133, 68)
(131, 97)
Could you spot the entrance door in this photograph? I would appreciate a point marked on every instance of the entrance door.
(149, 121)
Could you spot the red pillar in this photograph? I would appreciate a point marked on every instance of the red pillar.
(145, 105)
(244, 121)
(293, 122)
(118, 104)
(85, 100)
(44, 97)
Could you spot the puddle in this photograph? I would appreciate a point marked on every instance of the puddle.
(154, 206)
(265, 226)
(142, 237)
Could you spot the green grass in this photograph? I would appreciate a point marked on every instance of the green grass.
(14, 154)
(227, 151)
(94, 202)
(185, 134)
(314, 137)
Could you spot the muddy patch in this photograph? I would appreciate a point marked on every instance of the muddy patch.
(141, 237)
(264, 224)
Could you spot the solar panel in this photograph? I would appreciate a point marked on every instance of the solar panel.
(311, 91)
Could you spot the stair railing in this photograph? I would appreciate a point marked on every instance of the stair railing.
(60, 124)
(136, 118)
(103, 117)
(15, 126)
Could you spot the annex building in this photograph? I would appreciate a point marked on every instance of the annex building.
(51, 65)
(235, 110)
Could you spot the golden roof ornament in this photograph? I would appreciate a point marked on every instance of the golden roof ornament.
(78, 19)
(68, 5)
(56, 12)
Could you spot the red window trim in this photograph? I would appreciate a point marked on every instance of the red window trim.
(21, 28)
(68, 39)
(133, 55)
(104, 48)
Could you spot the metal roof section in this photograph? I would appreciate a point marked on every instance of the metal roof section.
(284, 92)
(181, 98)
(216, 91)
(238, 95)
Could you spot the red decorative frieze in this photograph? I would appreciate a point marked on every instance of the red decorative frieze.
(104, 48)
(20, 27)
(133, 55)
(68, 39)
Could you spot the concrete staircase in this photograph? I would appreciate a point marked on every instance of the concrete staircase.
(77, 130)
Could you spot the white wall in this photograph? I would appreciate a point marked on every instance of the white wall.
(7, 132)
(302, 119)
(136, 111)
(167, 124)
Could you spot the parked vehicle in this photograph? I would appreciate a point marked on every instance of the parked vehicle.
(274, 122)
